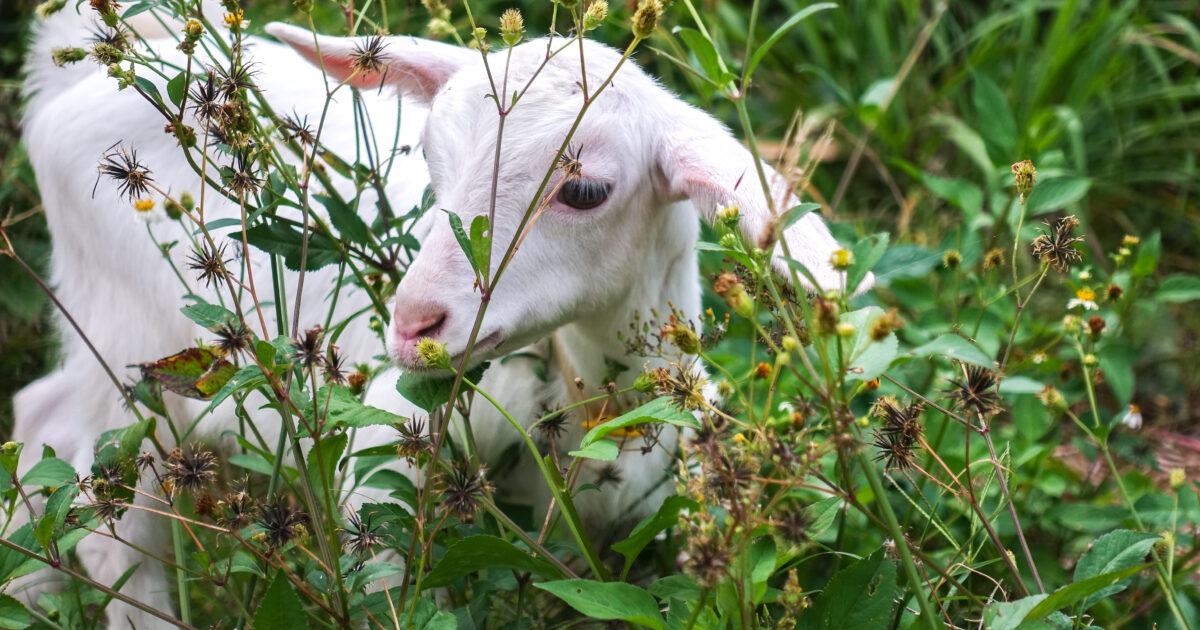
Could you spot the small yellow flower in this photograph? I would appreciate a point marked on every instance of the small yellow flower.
(841, 259)
(1084, 297)
(1130, 240)
(1177, 477)
(236, 19)
(1090, 360)
(143, 205)
(845, 329)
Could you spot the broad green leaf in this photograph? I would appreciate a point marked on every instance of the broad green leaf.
(967, 141)
(1117, 361)
(866, 358)
(323, 459)
(867, 251)
(798, 212)
(791, 22)
(1054, 194)
(1010, 615)
(603, 450)
(345, 220)
(608, 600)
(666, 517)
(762, 560)
(277, 237)
(877, 92)
(953, 347)
(821, 514)
(1020, 385)
(1147, 256)
(1112, 552)
(481, 243)
(175, 89)
(460, 235)
(343, 409)
(676, 587)
(50, 472)
(905, 261)
(657, 410)
(1178, 288)
(477, 553)
(1073, 593)
(210, 316)
(704, 51)
(429, 391)
(13, 615)
(280, 607)
(959, 192)
(996, 121)
(859, 596)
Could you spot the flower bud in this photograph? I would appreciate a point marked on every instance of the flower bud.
(1053, 400)
(845, 330)
(1176, 478)
(596, 13)
(827, 316)
(645, 382)
(841, 259)
(951, 259)
(789, 343)
(512, 27)
(64, 56)
(1071, 324)
(1025, 176)
(645, 20)
(885, 324)
(433, 353)
(49, 7)
(685, 339)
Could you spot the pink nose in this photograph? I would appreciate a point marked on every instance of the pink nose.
(419, 322)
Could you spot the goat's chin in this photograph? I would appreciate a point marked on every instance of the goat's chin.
(486, 348)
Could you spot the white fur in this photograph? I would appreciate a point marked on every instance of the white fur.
(580, 275)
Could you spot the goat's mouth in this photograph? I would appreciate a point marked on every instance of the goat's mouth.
(483, 350)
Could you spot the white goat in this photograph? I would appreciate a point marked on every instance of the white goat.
(580, 276)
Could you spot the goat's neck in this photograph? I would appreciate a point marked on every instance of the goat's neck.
(670, 277)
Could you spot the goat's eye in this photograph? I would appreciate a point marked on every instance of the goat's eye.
(583, 194)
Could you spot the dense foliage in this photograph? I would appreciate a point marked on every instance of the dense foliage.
(997, 434)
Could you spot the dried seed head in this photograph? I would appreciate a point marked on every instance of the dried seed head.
(975, 390)
(367, 57)
(412, 440)
(885, 324)
(191, 470)
(308, 349)
(1056, 246)
(233, 337)
(361, 536)
(209, 263)
(281, 524)
(463, 488)
(333, 367)
(133, 179)
(993, 259)
(951, 259)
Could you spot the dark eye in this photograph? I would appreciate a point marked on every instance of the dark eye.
(583, 194)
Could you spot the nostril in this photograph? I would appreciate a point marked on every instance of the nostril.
(434, 328)
(413, 326)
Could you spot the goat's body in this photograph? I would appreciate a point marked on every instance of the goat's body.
(113, 280)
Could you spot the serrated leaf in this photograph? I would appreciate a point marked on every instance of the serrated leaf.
(1114, 551)
(1072, 594)
(608, 600)
(345, 220)
(996, 121)
(481, 243)
(603, 450)
(1178, 288)
(430, 391)
(460, 235)
(13, 615)
(276, 237)
(657, 410)
(666, 517)
(280, 607)
(477, 553)
(1010, 615)
(50, 472)
(340, 408)
(867, 358)
(210, 316)
(859, 596)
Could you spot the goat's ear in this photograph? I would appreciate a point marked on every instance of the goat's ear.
(417, 67)
(701, 161)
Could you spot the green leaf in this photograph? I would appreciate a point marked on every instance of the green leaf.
(12, 614)
(1114, 551)
(148, 87)
(657, 410)
(323, 459)
(705, 52)
(877, 92)
(1073, 593)
(175, 89)
(1010, 615)
(1147, 256)
(1053, 194)
(477, 553)
(1117, 361)
(959, 192)
(210, 316)
(343, 409)
(481, 243)
(859, 596)
(280, 608)
(1178, 288)
(431, 391)
(460, 235)
(603, 450)
(666, 517)
(821, 514)
(795, 213)
(967, 141)
(345, 220)
(867, 251)
(51, 472)
(276, 237)
(996, 121)
(953, 347)
(608, 600)
(762, 560)
(867, 358)
(797, 18)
